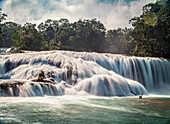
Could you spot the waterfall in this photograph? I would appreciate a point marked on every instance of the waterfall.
(2, 67)
(28, 88)
(111, 86)
(81, 72)
(153, 73)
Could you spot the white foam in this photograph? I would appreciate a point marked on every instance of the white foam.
(93, 73)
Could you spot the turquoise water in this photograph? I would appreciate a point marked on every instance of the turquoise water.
(84, 110)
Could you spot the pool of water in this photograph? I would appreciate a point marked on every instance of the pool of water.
(85, 110)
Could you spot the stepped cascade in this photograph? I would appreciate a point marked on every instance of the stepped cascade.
(74, 73)
(153, 73)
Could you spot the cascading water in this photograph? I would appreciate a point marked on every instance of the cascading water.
(28, 88)
(2, 67)
(153, 73)
(80, 72)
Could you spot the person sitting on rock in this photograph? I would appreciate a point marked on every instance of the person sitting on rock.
(41, 76)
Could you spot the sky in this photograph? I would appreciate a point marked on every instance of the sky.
(112, 13)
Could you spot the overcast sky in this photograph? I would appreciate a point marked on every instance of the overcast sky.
(112, 13)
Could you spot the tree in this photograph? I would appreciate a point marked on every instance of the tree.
(8, 28)
(1, 38)
(48, 31)
(119, 41)
(64, 32)
(2, 17)
(89, 35)
(151, 31)
(28, 38)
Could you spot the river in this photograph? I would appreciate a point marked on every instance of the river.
(92, 88)
(85, 110)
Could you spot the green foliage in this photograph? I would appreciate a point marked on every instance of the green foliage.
(89, 35)
(1, 38)
(8, 28)
(150, 18)
(53, 45)
(151, 30)
(28, 38)
(149, 37)
(2, 17)
(16, 39)
(119, 41)
(83, 35)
